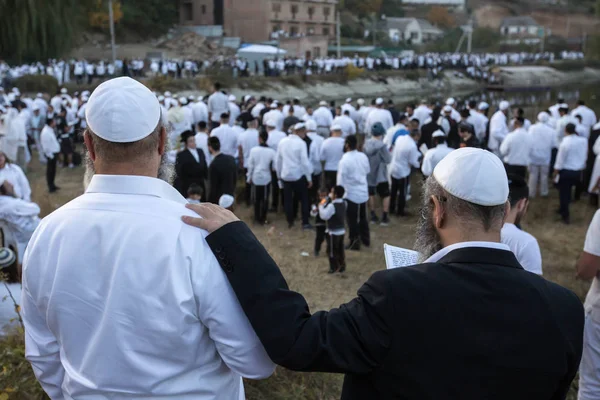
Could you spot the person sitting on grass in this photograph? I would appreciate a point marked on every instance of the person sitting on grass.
(194, 193)
(333, 211)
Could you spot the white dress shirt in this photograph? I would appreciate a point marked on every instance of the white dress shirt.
(592, 246)
(421, 113)
(234, 112)
(498, 131)
(274, 116)
(525, 247)
(228, 138)
(194, 153)
(49, 142)
(14, 175)
(561, 124)
(218, 103)
(202, 145)
(347, 124)
(108, 315)
(404, 156)
(247, 141)
(542, 142)
(292, 159)
(516, 148)
(433, 157)
(200, 111)
(588, 116)
(274, 138)
(572, 154)
(352, 176)
(378, 115)
(323, 117)
(315, 152)
(258, 107)
(332, 151)
(261, 161)
(463, 245)
(479, 122)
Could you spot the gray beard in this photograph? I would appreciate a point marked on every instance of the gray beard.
(166, 170)
(428, 240)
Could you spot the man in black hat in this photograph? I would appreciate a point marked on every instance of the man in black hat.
(190, 165)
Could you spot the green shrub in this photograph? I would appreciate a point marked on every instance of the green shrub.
(37, 83)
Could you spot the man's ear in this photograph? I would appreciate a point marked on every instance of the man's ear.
(89, 145)
(438, 212)
(506, 211)
(162, 141)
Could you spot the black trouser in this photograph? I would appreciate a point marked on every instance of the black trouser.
(51, 172)
(517, 170)
(330, 179)
(313, 192)
(293, 192)
(261, 202)
(320, 238)
(567, 180)
(335, 252)
(398, 195)
(553, 158)
(579, 186)
(358, 225)
(276, 191)
(247, 189)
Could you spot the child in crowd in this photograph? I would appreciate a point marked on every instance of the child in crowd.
(320, 225)
(334, 211)
(194, 193)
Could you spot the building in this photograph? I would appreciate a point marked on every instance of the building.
(261, 20)
(411, 30)
(520, 27)
(449, 3)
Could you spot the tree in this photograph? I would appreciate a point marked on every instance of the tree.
(149, 17)
(363, 8)
(597, 8)
(99, 17)
(440, 17)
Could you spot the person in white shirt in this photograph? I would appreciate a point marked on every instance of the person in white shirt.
(202, 141)
(20, 217)
(498, 128)
(346, 123)
(151, 317)
(570, 163)
(323, 118)
(13, 174)
(314, 155)
(261, 161)
(258, 107)
(563, 120)
(542, 142)
(352, 176)
(234, 110)
(352, 111)
(51, 149)
(519, 113)
(218, 104)
(454, 114)
(274, 115)
(522, 244)
(247, 140)
(379, 114)
(554, 109)
(200, 111)
(295, 172)
(227, 137)
(404, 157)
(516, 149)
(422, 113)
(332, 151)
(588, 115)
(581, 129)
(433, 156)
(188, 114)
(478, 120)
(588, 267)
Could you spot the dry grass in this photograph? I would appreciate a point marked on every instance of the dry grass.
(561, 245)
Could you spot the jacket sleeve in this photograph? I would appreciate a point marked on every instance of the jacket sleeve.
(353, 338)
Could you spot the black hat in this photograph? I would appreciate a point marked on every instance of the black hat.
(185, 135)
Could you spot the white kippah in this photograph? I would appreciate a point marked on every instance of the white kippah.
(226, 201)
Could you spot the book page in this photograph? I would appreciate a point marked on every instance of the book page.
(396, 257)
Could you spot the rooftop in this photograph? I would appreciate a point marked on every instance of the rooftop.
(519, 21)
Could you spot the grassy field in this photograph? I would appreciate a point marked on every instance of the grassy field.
(561, 246)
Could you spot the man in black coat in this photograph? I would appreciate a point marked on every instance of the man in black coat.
(190, 165)
(428, 129)
(469, 323)
(222, 173)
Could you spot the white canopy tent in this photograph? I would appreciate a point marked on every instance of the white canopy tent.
(255, 54)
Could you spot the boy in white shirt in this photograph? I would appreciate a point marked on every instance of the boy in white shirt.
(333, 211)
(260, 165)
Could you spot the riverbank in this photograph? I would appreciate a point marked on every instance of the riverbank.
(531, 76)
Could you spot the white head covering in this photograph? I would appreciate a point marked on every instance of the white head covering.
(161, 98)
(122, 110)
(167, 94)
(543, 117)
(311, 125)
(379, 101)
(16, 91)
(323, 103)
(336, 127)
(299, 125)
(63, 91)
(360, 102)
(349, 100)
(191, 97)
(247, 97)
(473, 175)
(226, 201)
(11, 97)
(35, 107)
(39, 95)
(504, 105)
(483, 106)
(232, 97)
(450, 101)
(438, 133)
(447, 108)
(271, 124)
(183, 101)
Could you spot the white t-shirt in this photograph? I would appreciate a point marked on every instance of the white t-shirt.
(525, 247)
(592, 246)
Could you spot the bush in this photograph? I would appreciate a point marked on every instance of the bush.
(16, 376)
(161, 83)
(37, 83)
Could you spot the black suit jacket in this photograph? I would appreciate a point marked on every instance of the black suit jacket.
(222, 175)
(189, 170)
(473, 326)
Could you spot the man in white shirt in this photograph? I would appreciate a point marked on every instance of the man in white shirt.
(349, 107)
(295, 172)
(422, 113)
(314, 156)
(261, 163)
(478, 120)
(523, 244)
(218, 104)
(227, 137)
(454, 114)
(404, 158)
(515, 150)
(352, 176)
(542, 142)
(563, 120)
(202, 141)
(332, 151)
(554, 109)
(581, 129)
(570, 163)
(379, 114)
(588, 115)
(588, 267)
(258, 107)
(247, 140)
(200, 111)
(50, 149)
(323, 118)
(274, 115)
(498, 127)
(234, 110)
(152, 317)
(435, 155)
(346, 123)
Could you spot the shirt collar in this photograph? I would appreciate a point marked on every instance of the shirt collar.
(442, 253)
(136, 185)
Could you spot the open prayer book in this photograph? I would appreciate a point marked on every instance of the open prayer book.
(396, 257)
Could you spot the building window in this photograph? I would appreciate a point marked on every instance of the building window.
(188, 11)
(414, 35)
(293, 31)
(294, 9)
(276, 7)
(327, 13)
(317, 51)
(203, 9)
(276, 28)
(326, 31)
(311, 12)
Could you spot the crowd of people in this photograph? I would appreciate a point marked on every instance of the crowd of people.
(338, 169)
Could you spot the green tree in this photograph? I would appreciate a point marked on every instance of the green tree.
(38, 29)
(148, 17)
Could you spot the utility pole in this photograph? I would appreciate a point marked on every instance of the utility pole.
(470, 37)
(373, 30)
(112, 31)
(338, 34)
